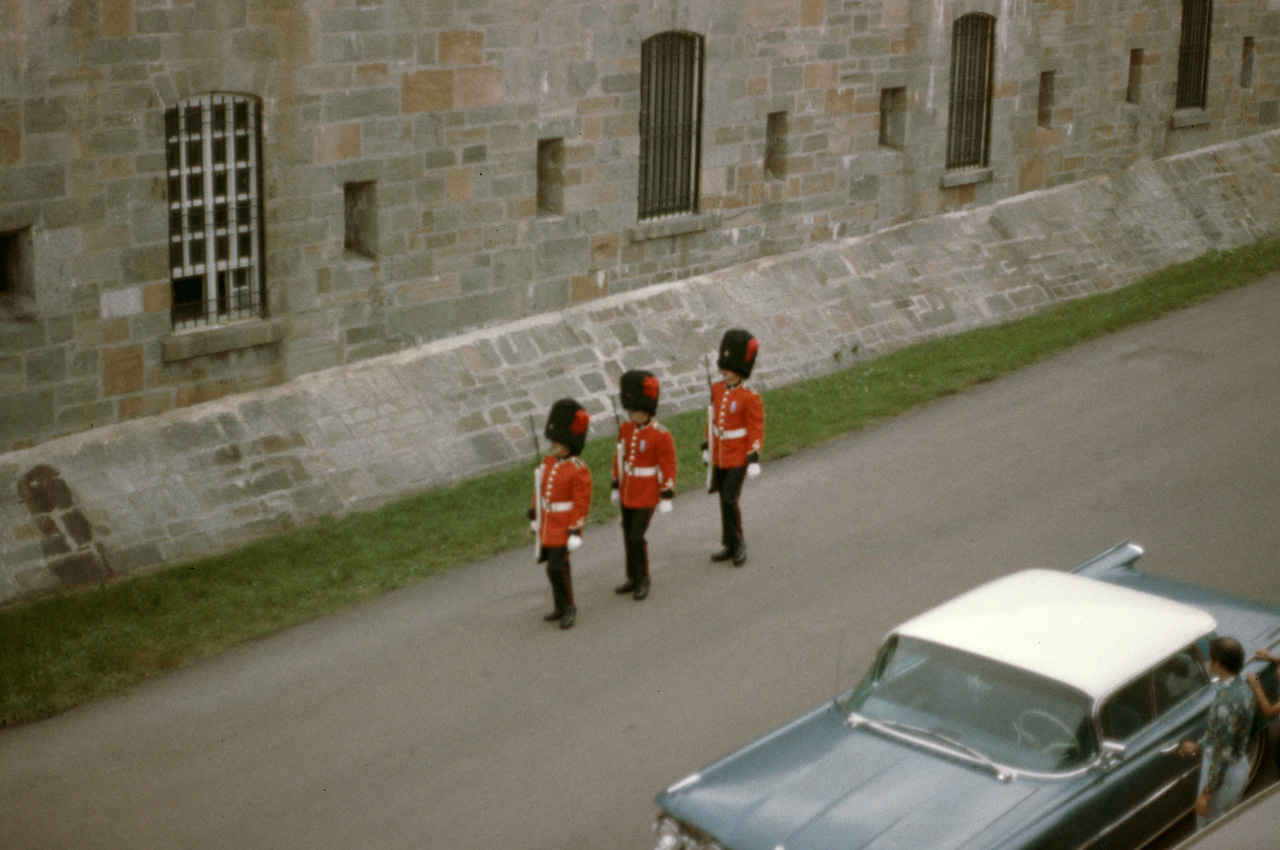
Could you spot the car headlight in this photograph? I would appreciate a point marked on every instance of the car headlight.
(669, 835)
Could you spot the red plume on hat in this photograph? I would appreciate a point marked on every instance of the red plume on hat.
(639, 391)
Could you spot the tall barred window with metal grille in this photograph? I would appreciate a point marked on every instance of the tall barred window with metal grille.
(973, 39)
(213, 151)
(670, 123)
(1193, 54)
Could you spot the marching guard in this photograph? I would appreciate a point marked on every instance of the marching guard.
(735, 434)
(561, 500)
(644, 474)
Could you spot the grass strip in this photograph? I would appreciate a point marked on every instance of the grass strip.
(59, 652)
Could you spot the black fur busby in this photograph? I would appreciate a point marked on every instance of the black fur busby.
(567, 425)
(640, 391)
(738, 352)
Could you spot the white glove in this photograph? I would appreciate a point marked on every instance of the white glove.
(614, 497)
(574, 542)
(706, 458)
(753, 470)
(664, 507)
(533, 526)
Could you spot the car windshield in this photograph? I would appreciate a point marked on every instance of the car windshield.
(1009, 716)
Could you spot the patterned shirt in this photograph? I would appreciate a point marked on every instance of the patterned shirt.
(1230, 721)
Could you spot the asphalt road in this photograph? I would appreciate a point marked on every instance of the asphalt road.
(449, 715)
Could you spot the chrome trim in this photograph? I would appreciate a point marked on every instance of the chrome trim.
(1155, 795)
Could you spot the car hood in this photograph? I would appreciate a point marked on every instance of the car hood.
(817, 784)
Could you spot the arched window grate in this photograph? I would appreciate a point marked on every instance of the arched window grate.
(670, 123)
(213, 147)
(973, 39)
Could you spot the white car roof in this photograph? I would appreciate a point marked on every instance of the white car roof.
(1083, 632)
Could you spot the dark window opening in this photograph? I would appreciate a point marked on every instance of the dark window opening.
(1044, 107)
(1134, 92)
(972, 70)
(775, 145)
(670, 123)
(893, 118)
(551, 177)
(1193, 54)
(1247, 62)
(360, 202)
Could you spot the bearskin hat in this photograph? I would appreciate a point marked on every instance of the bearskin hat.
(640, 391)
(738, 352)
(567, 425)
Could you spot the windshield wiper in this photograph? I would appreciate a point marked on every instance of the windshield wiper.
(1002, 773)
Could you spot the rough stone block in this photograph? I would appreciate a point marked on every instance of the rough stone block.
(477, 87)
(121, 370)
(461, 47)
(426, 91)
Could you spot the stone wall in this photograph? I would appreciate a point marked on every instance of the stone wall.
(193, 481)
(435, 111)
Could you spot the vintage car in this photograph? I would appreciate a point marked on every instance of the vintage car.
(1040, 711)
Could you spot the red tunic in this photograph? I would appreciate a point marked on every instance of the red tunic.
(737, 425)
(644, 464)
(565, 498)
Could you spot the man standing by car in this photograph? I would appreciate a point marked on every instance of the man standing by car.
(1224, 771)
(735, 434)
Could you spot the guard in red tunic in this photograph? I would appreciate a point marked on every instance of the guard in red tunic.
(644, 474)
(562, 497)
(735, 434)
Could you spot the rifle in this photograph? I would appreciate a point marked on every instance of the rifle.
(618, 449)
(706, 362)
(537, 491)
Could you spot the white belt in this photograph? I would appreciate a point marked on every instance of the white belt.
(557, 507)
(640, 471)
(731, 435)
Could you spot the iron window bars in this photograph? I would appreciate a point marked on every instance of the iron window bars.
(1193, 54)
(213, 157)
(973, 39)
(670, 123)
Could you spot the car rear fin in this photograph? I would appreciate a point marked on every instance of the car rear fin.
(1122, 556)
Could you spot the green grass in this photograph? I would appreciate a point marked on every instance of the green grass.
(59, 652)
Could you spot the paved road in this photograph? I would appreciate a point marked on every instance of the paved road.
(448, 715)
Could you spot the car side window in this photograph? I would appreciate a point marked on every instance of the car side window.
(1128, 709)
(1138, 703)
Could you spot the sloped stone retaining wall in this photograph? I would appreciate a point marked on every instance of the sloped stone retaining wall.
(200, 479)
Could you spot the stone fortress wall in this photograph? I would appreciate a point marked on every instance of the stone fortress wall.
(191, 481)
(402, 185)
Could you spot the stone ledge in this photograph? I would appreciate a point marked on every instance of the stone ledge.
(217, 340)
(674, 226)
(1189, 118)
(965, 177)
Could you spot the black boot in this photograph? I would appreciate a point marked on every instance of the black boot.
(723, 555)
(554, 615)
(626, 587)
(740, 555)
(642, 589)
(566, 622)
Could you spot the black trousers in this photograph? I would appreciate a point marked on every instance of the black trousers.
(557, 558)
(635, 522)
(728, 483)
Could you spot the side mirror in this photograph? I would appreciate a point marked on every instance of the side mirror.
(1113, 752)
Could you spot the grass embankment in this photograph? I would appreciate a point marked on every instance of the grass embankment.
(59, 652)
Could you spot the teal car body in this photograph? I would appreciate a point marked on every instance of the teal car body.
(961, 739)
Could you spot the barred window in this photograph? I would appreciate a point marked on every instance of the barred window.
(670, 123)
(213, 158)
(1193, 54)
(973, 39)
